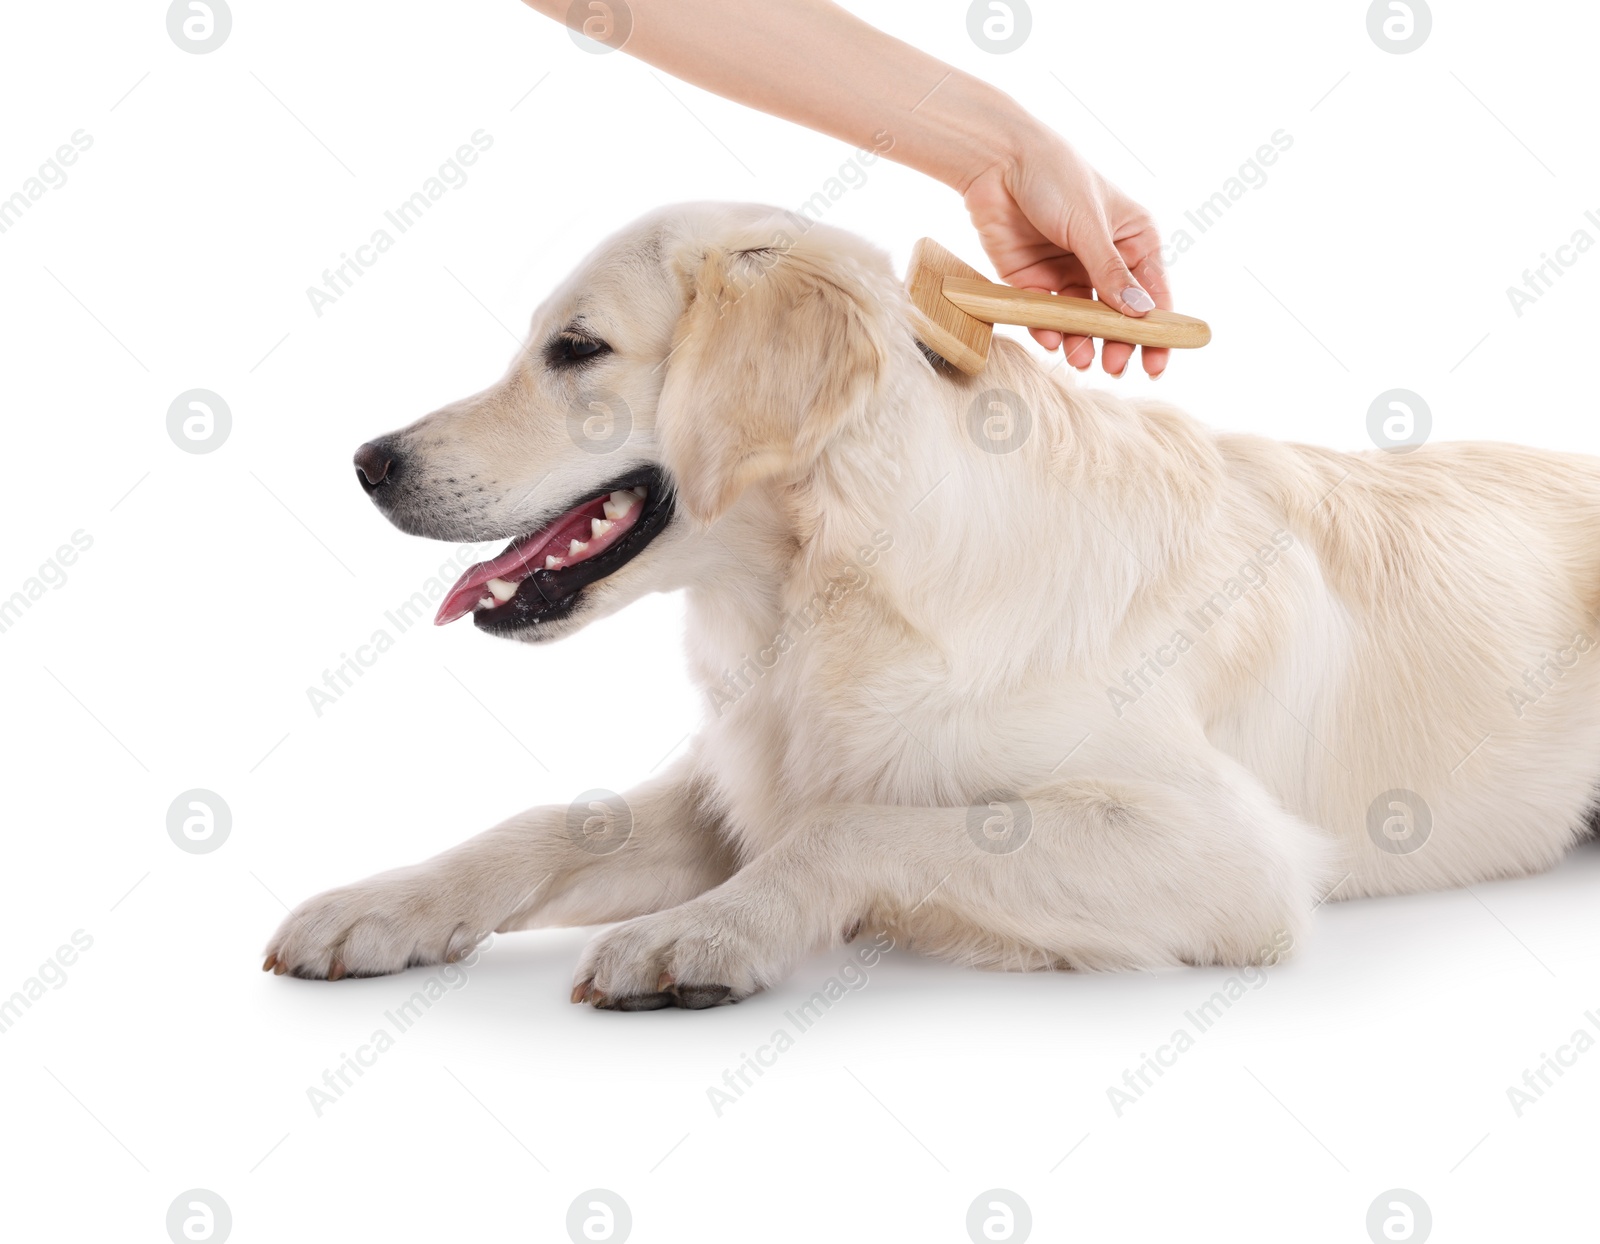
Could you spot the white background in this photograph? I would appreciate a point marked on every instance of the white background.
(178, 652)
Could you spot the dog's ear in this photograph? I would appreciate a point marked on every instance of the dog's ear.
(779, 346)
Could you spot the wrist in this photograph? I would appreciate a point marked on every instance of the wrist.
(990, 131)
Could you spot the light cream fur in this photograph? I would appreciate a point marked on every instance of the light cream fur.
(906, 639)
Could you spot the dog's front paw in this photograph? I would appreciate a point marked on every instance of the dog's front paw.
(692, 956)
(382, 925)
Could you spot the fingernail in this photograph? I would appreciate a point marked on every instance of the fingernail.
(1156, 375)
(1135, 299)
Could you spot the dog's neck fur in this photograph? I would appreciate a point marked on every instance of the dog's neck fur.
(967, 524)
(909, 523)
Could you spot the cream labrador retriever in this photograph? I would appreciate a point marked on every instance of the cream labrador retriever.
(1025, 674)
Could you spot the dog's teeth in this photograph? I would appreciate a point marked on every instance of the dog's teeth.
(599, 526)
(502, 590)
(577, 548)
(639, 492)
(619, 503)
(552, 563)
(488, 602)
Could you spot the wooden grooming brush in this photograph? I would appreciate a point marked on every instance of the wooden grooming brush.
(956, 311)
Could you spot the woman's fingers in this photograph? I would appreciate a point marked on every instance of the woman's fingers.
(1047, 221)
(1058, 274)
(1070, 276)
(1114, 356)
(1113, 282)
(1143, 252)
(1079, 351)
(1111, 265)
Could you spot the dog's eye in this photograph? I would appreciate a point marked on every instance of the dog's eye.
(569, 348)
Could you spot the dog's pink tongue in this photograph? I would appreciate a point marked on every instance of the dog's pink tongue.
(470, 587)
(572, 538)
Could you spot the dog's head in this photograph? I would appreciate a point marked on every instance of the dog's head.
(692, 366)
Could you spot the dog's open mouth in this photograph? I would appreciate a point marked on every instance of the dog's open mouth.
(540, 575)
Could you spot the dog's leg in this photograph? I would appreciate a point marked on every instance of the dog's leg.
(1198, 865)
(551, 865)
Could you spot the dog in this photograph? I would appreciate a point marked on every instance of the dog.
(1024, 674)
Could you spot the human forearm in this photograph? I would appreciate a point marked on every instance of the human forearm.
(1046, 219)
(811, 62)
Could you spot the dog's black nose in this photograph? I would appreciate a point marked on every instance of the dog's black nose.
(375, 464)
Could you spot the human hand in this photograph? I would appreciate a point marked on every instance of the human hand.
(1049, 221)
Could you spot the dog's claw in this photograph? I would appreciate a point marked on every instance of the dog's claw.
(580, 991)
(336, 971)
(279, 967)
(699, 997)
(639, 1002)
(267, 966)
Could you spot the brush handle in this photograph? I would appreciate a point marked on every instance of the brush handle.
(1032, 308)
